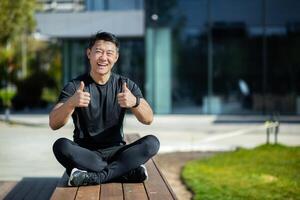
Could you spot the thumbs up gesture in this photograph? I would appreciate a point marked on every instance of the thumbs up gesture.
(80, 98)
(126, 99)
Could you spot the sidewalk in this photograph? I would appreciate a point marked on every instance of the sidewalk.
(26, 142)
(195, 132)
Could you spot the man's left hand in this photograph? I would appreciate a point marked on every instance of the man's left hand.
(126, 99)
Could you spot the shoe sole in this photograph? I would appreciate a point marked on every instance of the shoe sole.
(71, 176)
(146, 172)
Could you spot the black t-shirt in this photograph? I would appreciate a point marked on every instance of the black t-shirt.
(100, 125)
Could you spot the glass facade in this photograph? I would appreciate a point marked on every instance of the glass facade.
(206, 56)
(89, 5)
(131, 60)
(232, 57)
(96, 5)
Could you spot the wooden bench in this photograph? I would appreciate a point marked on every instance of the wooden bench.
(155, 188)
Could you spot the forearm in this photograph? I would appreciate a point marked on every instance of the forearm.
(143, 112)
(60, 115)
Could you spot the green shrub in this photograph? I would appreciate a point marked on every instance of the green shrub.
(30, 91)
(6, 95)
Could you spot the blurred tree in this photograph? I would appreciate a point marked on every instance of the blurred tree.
(6, 66)
(16, 17)
(21, 86)
(30, 90)
(41, 86)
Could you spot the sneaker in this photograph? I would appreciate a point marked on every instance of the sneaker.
(78, 177)
(145, 171)
(136, 175)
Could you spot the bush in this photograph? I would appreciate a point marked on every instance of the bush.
(30, 91)
(6, 96)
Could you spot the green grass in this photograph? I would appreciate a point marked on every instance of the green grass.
(266, 172)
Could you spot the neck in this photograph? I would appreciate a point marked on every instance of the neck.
(99, 78)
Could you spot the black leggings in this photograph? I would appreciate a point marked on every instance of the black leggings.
(109, 163)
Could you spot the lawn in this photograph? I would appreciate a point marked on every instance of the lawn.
(266, 172)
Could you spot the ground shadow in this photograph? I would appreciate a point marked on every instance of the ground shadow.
(33, 188)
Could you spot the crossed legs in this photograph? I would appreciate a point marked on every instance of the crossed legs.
(122, 160)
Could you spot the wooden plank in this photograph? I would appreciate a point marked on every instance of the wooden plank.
(164, 179)
(155, 186)
(134, 191)
(64, 193)
(111, 191)
(88, 192)
(6, 187)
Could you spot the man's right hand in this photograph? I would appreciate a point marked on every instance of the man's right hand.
(80, 98)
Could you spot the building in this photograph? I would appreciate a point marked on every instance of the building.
(191, 56)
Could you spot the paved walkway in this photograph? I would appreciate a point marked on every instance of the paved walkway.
(25, 144)
(193, 132)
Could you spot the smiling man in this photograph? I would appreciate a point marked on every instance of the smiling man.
(97, 102)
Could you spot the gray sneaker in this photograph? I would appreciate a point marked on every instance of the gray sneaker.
(136, 175)
(145, 171)
(80, 177)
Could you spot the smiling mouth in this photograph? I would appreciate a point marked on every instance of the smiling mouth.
(101, 65)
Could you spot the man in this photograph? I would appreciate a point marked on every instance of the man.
(97, 102)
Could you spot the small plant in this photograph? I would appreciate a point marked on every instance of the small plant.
(6, 95)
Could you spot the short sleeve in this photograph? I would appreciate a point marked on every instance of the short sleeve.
(67, 92)
(134, 88)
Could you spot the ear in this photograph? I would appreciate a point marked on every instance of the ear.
(88, 53)
(117, 56)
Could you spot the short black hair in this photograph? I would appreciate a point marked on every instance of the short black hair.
(106, 36)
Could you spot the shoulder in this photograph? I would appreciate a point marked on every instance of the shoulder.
(82, 77)
(131, 85)
(75, 82)
(122, 79)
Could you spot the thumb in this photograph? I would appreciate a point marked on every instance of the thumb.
(124, 87)
(81, 86)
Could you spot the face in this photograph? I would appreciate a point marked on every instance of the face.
(103, 55)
